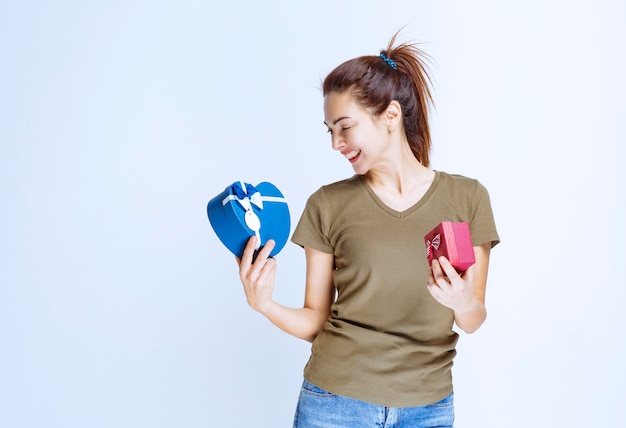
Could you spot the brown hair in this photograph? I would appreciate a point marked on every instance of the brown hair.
(374, 83)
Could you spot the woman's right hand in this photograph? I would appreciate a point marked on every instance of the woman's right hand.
(258, 276)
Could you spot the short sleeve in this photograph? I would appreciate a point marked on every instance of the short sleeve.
(482, 223)
(312, 228)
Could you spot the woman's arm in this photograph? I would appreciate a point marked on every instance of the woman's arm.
(464, 295)
(258, 282)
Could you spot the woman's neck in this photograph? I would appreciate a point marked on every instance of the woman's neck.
(402, 183)
(399, 170)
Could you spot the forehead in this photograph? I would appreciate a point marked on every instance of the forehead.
(338, 105)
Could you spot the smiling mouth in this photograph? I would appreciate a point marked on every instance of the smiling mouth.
(353, 155)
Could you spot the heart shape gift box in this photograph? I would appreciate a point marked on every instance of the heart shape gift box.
(243, 210)
(452, 240)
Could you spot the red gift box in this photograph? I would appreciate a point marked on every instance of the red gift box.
(452, 240)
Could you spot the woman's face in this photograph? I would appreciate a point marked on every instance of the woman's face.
(355, 133)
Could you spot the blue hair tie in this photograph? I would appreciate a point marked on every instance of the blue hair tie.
(389, 61)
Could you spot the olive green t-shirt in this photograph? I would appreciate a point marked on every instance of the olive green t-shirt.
(387, 341)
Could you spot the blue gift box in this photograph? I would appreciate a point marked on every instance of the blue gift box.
(243, 210)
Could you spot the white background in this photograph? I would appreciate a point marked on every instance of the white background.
(119, 307)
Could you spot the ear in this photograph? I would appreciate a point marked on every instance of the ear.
(393, 115)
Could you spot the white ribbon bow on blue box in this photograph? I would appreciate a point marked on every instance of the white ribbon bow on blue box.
(243, 210)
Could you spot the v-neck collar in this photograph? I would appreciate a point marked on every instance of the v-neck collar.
(410, 210)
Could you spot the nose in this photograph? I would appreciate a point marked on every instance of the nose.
(337, 142)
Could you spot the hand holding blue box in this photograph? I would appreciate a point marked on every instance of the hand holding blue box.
(243, 210)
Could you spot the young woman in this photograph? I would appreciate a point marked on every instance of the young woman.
(379, 316)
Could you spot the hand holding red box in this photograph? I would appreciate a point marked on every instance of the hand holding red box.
(452, 240)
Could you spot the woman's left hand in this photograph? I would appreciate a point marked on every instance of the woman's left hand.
(451, 289)
(464, 294)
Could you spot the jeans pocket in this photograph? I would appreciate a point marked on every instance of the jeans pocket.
(309, 388)
(446, 402)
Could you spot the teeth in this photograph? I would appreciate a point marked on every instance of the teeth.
(353, 154)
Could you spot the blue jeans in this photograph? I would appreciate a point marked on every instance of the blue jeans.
(318, 408)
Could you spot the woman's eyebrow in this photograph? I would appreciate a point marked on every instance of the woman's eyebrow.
(335, 122)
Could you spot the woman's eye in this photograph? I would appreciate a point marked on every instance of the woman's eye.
(342, 129)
